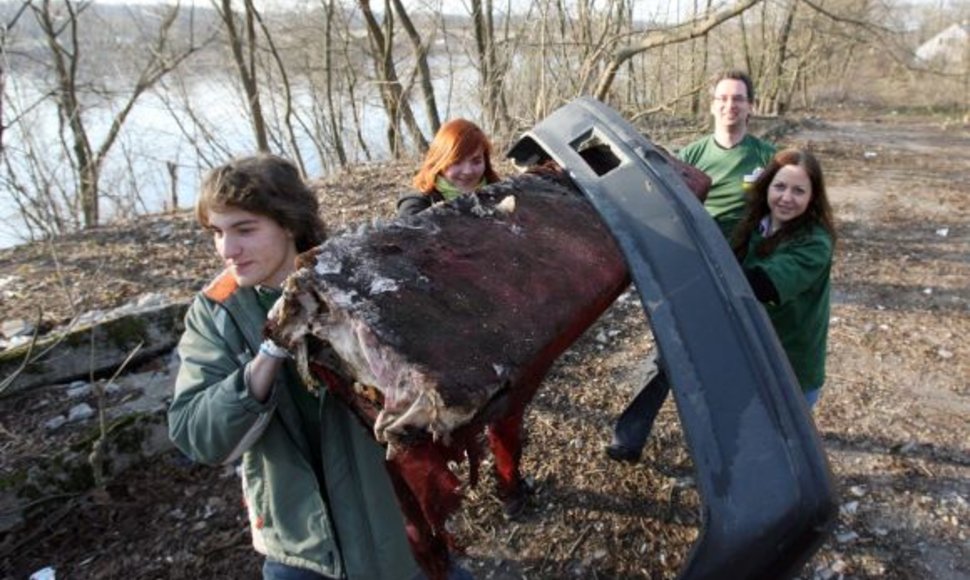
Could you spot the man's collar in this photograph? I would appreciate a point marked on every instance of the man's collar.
(732, 142)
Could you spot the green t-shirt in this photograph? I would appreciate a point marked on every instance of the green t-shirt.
(799, 269)
(726, 168)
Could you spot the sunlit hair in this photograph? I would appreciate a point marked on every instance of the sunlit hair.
(734, 75)
(818, 211)
(266, 185)
(455, 140)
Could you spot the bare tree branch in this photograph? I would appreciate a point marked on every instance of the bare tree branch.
(667, 36)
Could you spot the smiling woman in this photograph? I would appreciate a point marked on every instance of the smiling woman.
(785, 244)
(459, 160)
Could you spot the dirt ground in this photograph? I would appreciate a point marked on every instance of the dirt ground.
(893, 417)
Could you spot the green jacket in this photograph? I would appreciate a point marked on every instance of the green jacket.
(349, 527)
(799, 269)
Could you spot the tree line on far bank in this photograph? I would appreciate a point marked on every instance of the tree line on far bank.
(306, 76)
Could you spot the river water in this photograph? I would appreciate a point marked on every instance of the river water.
(135, 177)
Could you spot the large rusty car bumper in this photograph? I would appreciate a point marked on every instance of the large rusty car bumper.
(767, 494)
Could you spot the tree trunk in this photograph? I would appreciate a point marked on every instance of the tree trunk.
(392, 95)
(773, 103)
(421, 62)
(3, 59)
(246, 68)
(294, 146)
(335, 129)
(494, 105)
(86, 160)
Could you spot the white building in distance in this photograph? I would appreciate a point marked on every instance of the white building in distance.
(951, 47)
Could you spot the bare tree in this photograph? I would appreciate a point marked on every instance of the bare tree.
(421, 48)
(795, 40)
(392, 93)
(700, 55)
(352, 81)
(287, 90)
(329, 70)
(774, 99)
(245, 59)
(60, 31)
(6, 26)
(494, 107)
(666, 36)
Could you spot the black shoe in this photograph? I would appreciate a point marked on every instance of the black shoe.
(514, 506)
(620, 452)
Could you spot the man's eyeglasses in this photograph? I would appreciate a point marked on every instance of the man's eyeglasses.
(741, 99)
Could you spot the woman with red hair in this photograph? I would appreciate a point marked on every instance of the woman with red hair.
(459, 161)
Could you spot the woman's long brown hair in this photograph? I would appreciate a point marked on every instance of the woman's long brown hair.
(818, 211)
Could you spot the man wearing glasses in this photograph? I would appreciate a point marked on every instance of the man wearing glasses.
(732, 158)
(730, 154)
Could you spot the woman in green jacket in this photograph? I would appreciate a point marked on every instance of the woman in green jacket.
(785, 244)
(319, 498)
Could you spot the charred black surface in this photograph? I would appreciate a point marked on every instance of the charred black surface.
(472, 294)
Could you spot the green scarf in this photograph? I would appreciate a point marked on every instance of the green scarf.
(448, 190)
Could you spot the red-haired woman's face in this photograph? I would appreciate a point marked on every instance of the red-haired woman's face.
(789, 194)
(466, 173)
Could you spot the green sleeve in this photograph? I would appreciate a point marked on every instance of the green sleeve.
(213, 418)
(798, 264)
(690, 153)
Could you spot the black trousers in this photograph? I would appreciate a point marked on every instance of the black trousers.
(636, 421)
